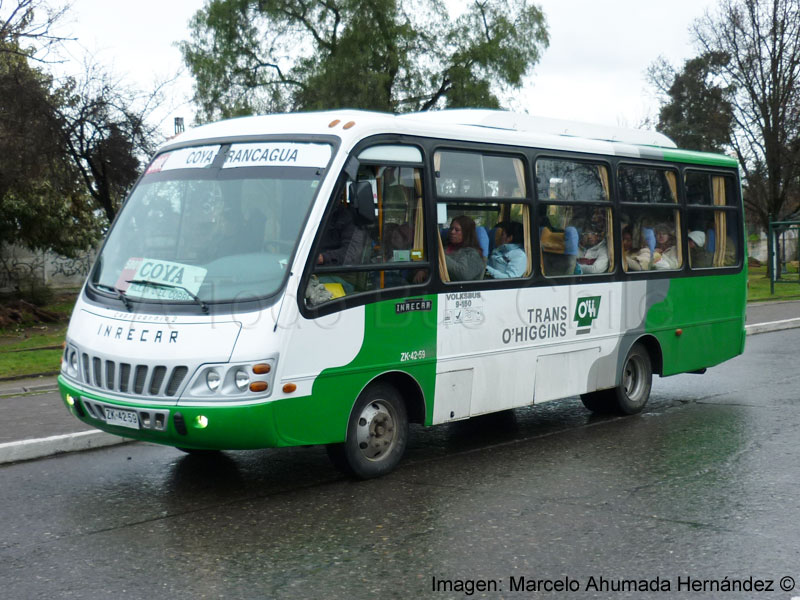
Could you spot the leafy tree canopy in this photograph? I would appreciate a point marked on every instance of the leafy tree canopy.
(41, 204)
(250, 56)
(70, 149)
(697, 113)
(748, 69)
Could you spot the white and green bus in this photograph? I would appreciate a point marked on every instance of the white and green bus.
(329, 278)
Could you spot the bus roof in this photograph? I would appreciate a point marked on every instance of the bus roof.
(506, 127)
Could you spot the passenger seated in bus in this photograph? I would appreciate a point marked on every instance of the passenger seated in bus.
(594, 255)
(463, 254)
(483, 240)
(508, 260)
(629, 256)
(559, 251)
(665, 255)
(699, 257)
(397, 242)
(344, 241)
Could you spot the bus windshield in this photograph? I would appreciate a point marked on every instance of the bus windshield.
(208, 234)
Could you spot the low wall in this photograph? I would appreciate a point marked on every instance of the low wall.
(20, 266)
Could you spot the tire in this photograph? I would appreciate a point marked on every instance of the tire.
(631, 395)
(600, 402)
(636, 379)
(377, 433)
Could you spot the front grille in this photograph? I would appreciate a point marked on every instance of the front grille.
(142, 380)
(139, 378)
(178, 374)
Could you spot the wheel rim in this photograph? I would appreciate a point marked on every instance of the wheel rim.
(376, 431)
(633, 378)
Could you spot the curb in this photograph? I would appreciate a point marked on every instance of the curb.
(30, 389)
(70, 442)
(756, 328)
(31, 376)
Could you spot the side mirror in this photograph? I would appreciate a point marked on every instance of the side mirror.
(363, 201)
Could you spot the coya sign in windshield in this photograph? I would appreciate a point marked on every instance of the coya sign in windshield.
(166, 280)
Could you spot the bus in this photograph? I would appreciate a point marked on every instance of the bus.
(328, 278)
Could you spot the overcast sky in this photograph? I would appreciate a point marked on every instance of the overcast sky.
(594, 69)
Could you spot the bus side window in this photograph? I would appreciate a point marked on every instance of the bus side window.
(650, 219)
(575, 218)
(713, 230)
(357, 248)
(483, 226)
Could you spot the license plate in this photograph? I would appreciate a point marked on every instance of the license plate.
(123, 418)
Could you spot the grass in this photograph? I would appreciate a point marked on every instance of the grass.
(758, 286)
(29, 363)
(17, 355)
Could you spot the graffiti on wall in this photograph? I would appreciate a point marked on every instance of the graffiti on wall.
(20, 268)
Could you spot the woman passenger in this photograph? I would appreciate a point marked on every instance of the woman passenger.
(463, 255)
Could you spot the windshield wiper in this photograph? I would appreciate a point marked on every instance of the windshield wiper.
(120, 294)
(196, 298)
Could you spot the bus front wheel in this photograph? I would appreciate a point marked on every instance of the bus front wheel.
(377, 433)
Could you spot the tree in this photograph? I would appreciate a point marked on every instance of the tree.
(41, 205)
(105, 134)
(762, 38)
(70, 150)
(697, 112)
(274, 55)
(23, 32)
(751, 49)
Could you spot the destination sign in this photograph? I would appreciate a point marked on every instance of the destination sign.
(277, 154)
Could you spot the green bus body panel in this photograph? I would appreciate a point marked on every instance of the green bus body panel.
(317, 419)
(710, 312)
(322, 417)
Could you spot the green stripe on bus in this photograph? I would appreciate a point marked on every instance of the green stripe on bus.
(700, 158)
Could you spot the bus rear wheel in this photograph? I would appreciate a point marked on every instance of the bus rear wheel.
(631, 395)
(377, 433)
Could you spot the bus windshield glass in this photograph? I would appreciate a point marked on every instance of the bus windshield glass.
(213, 223)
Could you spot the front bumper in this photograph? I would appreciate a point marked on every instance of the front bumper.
(223, 427)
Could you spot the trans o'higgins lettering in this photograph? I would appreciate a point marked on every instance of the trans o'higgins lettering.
(543, 324)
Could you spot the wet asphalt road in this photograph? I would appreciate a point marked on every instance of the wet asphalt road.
(703, 485)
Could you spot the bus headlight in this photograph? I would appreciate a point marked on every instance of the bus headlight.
(242, 379)
(70, 362)
(213, 380)
(232, 381)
